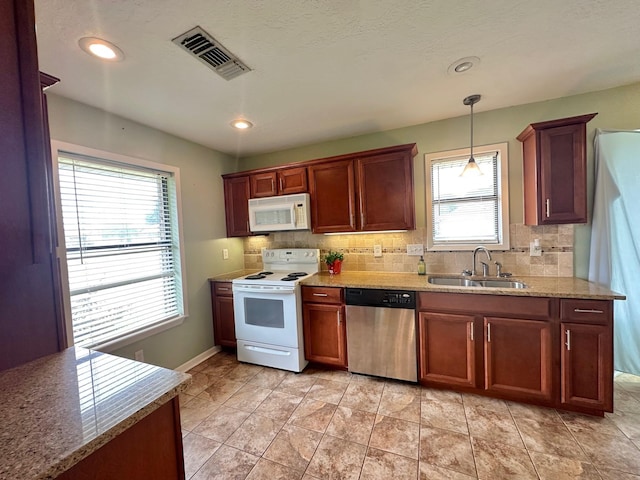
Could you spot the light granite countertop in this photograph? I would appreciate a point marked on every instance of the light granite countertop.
(59, 409)
(564, 287)
(227, 277)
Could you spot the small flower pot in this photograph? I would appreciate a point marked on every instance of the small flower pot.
(335, 267)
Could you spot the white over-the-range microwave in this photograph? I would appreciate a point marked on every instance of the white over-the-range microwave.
(281, 213)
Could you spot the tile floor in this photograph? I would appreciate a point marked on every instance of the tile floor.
(243, 421)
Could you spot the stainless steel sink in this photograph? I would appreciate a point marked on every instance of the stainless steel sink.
(467, 282)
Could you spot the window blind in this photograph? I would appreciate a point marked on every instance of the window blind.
(465, 210)
(122, 247)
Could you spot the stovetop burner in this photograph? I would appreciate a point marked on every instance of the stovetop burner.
(288, 279)
(298, 274)
(264, 273)
(256, 276)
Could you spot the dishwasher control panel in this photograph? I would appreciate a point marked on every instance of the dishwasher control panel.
(373, 297)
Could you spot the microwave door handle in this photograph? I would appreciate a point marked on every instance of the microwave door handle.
(294, 219)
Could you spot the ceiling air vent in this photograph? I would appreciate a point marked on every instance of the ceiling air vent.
(208, 50)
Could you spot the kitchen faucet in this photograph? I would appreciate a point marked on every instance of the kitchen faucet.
(485, 267)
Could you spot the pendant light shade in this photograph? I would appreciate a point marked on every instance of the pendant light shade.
(471, 169)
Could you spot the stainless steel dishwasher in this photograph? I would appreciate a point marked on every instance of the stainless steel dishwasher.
(381, 333)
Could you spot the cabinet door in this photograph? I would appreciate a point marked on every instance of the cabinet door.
(332, 189)
(447, 352)
(224, 328)
(518, 358)
(263, 185)
(563, 178)
(385, 192)
(587, 366)
(236, 203)
(292, 180)
(324, 334)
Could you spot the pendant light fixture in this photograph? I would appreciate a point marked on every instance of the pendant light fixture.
(471, 169)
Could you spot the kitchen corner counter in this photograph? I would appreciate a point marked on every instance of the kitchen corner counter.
(564, 287)
(59, 409)
(227, 277)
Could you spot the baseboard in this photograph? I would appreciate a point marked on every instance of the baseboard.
(198, 359)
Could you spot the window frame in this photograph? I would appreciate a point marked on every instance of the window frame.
(503, 196)
(57, 148)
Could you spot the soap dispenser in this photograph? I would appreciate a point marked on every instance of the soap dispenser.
(422, 268)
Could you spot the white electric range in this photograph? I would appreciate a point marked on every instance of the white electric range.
(268, 309)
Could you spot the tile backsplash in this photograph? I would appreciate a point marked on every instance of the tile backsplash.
(556, 259)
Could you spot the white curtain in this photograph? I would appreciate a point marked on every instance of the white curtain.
(615, 237)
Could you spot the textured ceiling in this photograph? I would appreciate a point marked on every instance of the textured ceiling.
(326, 69)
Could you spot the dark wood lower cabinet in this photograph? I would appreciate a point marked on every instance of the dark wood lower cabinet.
(546, 351)
(447, 343)
(149, 449)
(224, 328)
(324, 327)
(518, 357)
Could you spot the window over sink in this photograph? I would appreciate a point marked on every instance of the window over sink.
(463, 212)
(120, 246)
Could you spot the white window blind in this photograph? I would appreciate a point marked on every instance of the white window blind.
(122, 246)
(465, 210)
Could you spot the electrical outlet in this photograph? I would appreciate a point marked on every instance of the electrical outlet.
(139, 355)
(415, 249)
(225, 254)
(377, 250)
(535, 249)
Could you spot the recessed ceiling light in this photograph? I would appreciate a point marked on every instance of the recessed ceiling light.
(102, 49)
(241, 124)
(463, 65)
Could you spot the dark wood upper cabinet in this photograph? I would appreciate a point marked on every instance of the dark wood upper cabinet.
(333, 196)
(555, 171)
(236, 202)
(31, 321)
(385, 191)
(280, 182)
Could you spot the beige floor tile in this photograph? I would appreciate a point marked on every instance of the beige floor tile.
(498, 461)
(195, 411)
(218, 370)
(327, 391)
(297, 385)
(446, 449)
(335, 375)
(376, 383)
(352, 425)
(551, 438)
(448, 415)
(199, 381)
(293, 447)
(608, 474)
(610, 451)
(624, 401)
(268, 470)
(402, 405)
(494, 404)
(243, 372)
(227, 463)
(337, 459)
(312, 415)
(550, 467)
(221, 423)
(578, 423)
(197, 450)
(278, 405)
(222, 389)
(496, 426)
(255, 434)
(185, 398)
(396, 436)
(381, 465)
(247, 398)
(533, 412)
(361, 396)
(398, 386)
(437, 395)
(268, 378)
(433, 472)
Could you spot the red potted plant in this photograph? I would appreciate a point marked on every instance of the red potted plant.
(334, 261)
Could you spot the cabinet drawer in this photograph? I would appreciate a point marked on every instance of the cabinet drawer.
(322, 294)
(222, 288)
(597, 312)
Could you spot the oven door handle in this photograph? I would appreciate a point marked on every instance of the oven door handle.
(263, 289)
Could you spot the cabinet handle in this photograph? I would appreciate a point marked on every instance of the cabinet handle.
(320, 295)
(488, 333)
(471, 331)
(568, 342)
(351, 219)
(247, 225)
(361, 219)
(587, 310)
(339, 318)
(273, 186)
(281, 184)
(547, 205)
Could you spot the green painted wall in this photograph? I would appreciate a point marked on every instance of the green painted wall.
(617, 109)
(202, 214)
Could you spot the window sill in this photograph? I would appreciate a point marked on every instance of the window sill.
(120, 342)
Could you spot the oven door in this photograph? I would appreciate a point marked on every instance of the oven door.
(268, 315)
